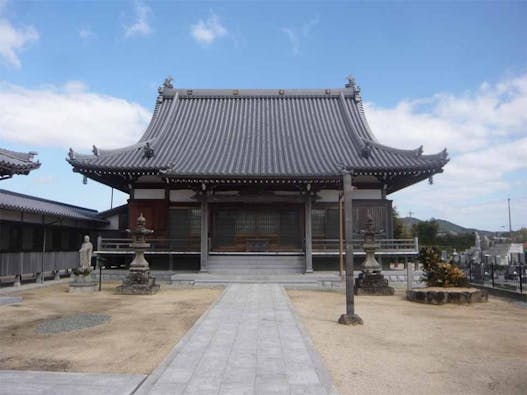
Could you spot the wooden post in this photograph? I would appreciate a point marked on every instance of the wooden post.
(350, 318)
(341, 237)
(308, 235)
(204, 234)
(409, 273)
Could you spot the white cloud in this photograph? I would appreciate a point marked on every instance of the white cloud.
(13, 40)
(485, 132)
(69, 116)
(86, 33)
(206, 32)
(141, 25)
(296, 35)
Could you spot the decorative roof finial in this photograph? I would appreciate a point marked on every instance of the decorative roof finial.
(351, 82)
(95, 151)
(168, 82)
(71, 154)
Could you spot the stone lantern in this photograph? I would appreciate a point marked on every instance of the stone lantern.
(371, 281)
(139, 281)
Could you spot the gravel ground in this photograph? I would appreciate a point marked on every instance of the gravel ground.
(140, 333)
(412, 348)
(72, 323)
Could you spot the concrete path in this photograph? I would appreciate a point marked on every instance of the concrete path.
(14, 382)
(250, 342)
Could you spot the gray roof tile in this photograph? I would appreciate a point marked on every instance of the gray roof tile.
(12, 162)
(258, 133)
(30, 204)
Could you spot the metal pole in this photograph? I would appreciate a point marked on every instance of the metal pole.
(521, 273)
(492, 272)
(510, 226)
(350, 318)
(43, 253)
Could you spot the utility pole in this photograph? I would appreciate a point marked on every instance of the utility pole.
(510, 226)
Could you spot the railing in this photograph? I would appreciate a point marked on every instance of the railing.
(386, 246)
(19, 263)
(156, 245)
(511, 278)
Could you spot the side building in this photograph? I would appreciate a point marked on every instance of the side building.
(40, 237)
(245, 179)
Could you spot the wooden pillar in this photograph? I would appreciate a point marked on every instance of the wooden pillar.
(204, 234)
(341, 237)
(308, 235)
(350, 318)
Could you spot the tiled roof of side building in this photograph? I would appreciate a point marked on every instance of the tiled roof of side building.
(30, 204)
(258, 133)
(12, 162)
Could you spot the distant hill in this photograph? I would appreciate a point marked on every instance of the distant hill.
(444, 226)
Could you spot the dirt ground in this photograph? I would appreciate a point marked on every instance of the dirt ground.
(411, 348)
(142, 330)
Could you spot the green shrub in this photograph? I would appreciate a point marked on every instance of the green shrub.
(438, 273)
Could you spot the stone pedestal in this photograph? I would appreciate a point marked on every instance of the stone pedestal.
(80, 284)
(372, 283)
(350, 319)
(138, 281)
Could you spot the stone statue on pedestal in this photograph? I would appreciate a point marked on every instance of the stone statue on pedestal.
(85, 253)
(81, 279)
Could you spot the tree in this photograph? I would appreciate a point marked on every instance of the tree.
(426, 231)
(399, 230)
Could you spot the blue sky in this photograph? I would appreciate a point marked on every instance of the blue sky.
(443, 74)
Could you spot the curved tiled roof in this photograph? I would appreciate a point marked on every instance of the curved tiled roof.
(30, 204)
(12, 163)
(306, 134)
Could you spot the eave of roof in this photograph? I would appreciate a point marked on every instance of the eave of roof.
(257, 134)
(12, 162)
(35, 205)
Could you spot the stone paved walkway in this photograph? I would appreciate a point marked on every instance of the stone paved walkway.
(14, 382)
(250, 342)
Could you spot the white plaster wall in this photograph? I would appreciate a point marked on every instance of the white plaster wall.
(367, 194)
(328, 196)
(149, 194)
(182, 195)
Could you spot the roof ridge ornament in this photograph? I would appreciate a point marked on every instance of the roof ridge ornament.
(71, 154)
(366, 150)
(95, 150)
(351, 82)
(167, 84)
(148, 152)
(355, 89)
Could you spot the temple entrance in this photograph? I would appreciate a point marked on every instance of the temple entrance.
(265, 228)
